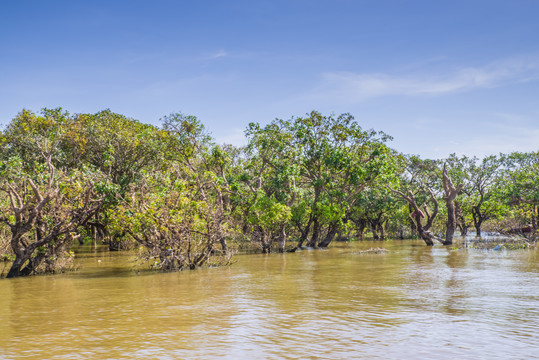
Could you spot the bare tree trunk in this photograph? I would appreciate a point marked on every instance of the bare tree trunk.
(451, 223)
(427, 236)
(282, 238)
(413, 227)
(451, 193)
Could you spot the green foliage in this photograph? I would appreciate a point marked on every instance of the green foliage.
(175, 226)
(181, 196)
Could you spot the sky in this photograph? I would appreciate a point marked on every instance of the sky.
(440, 77)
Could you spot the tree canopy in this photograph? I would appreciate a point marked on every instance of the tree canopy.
(189, 202)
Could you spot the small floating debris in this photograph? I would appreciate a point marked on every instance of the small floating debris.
(376, 250)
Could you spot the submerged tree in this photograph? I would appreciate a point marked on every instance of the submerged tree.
(45, 212)
(337, 160)
(177, 228)
(417, 180)
(476, 202)
(417, 215)
(203, 164)
(267, 187)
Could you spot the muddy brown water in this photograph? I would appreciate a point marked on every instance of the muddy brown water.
(415, 302)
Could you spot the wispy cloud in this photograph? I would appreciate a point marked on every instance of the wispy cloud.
(354, 87)
(218, 54)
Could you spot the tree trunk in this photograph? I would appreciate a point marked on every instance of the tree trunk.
(413, 227)
(423, 232)
(266, 242)
(451, 222)
(304, 232)
(461, 221)
(330, 235)
(381, 230)
(361, 230)
(463, 229)
(478, 229)
(282, 238)
(15, 269)
(451, 193)
(477, 219)
(534, 219)
(316, 233)
(374, 230)
(221, 237)
(426, 236)
(361, 224)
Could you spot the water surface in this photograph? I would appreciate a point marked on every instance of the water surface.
(413, 302)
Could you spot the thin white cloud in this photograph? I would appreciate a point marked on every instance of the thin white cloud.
(218, 54)
(356, 87)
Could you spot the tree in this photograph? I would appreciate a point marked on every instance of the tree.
(521, 184)
(45, 212)
(417, 180)
(475, 203)
(201, 162)
(374, 207)
(177, 226)
(268, 182)
(119, 147)
(484, 178)
(337, 160)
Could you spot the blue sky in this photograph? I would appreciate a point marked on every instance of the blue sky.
(439, 76)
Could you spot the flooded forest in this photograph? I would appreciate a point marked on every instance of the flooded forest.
(315, 229)
(183, 201)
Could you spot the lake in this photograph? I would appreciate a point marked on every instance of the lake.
(414, 302)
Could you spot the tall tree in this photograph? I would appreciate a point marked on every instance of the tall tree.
(269, 183)
(203, 163)
(418, 177)
(337, 160)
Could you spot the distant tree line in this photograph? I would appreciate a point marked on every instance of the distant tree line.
(188, 202)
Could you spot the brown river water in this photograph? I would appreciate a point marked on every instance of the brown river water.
(415, 302)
